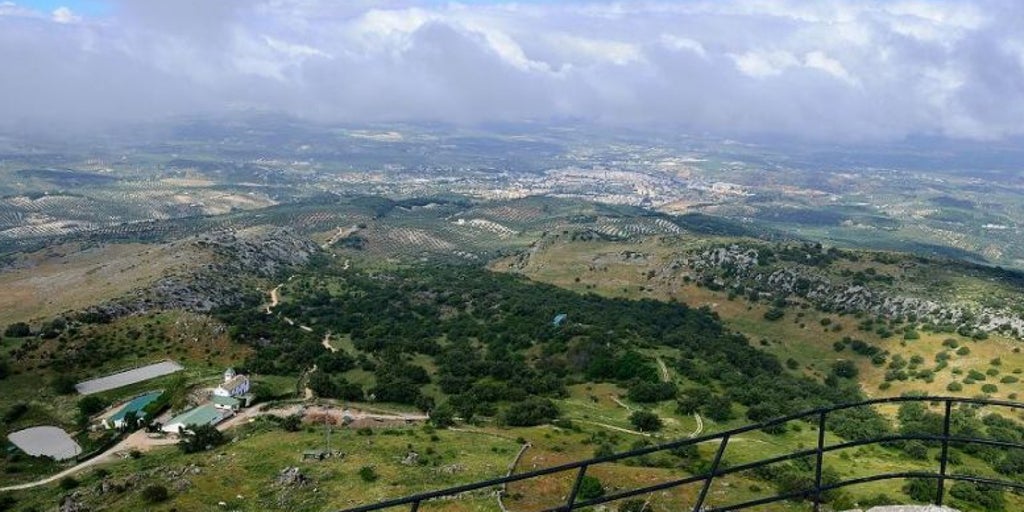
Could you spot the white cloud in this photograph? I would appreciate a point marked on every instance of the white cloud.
(860, 68)
(683, 43)
(65, 15)
(820, 61)
(765, 64)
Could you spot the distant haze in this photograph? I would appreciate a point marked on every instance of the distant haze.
(826, 70)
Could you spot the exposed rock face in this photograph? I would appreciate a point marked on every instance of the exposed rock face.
(742, 270)
(72, 503)
(238, 254)
(907, 508)
(291, 477)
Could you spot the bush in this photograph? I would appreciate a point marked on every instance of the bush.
(650, 392)
(15, 412)
(155, 494)
(989, 388)
(367, 474)
(590, 488)
(18, 330)
(635, 506)
(201, 438)
(954, 387)
(530, 412)
(921, 489)
(63, 384)
(989, 498)
(90, 405)
(774, 314)
(645, 421)
(67, 483)
(845, 369)
(291, 423)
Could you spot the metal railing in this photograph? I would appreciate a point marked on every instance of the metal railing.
(716, 470)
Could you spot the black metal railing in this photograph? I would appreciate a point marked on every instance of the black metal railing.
(716, 470)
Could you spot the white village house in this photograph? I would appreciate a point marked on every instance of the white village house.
(233, 385)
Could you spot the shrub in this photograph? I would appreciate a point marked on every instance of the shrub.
(63, 384)
(200, 438)
(590, 488)
(67, 483)
(774, 314)
(989, 388)
(921, 489)
(15, 412)
(530, 412)
(155, 494)
(18, 330)
(954, 387)
(645, 421)
(635, 506)
(368, 474)
(845, 369)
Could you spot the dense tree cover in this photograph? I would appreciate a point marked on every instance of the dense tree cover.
(492, 343)
(325, 385)
(532, 411)
(650, 392)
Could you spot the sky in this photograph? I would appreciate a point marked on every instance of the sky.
(830, 70)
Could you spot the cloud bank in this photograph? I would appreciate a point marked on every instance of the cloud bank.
(834, 70)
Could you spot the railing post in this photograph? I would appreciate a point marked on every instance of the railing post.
(575, 488)
(944, 455)
(415, 506)
(699, 506)
(820, 460)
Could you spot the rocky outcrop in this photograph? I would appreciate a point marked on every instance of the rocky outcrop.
(291, 477)
(238, 255)
(742, 270)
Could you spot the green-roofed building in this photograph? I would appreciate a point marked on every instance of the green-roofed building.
(226, 402)
(136, 405)
(207, 414)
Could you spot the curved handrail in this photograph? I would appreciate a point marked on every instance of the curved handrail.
(820, 413)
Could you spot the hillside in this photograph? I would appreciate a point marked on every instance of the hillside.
(396, 306)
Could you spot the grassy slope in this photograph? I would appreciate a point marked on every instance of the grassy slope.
(71, 277)
(597, 267)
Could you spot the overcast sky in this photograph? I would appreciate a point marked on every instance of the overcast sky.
(834, 70)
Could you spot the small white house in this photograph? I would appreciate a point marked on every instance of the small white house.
(233, 385)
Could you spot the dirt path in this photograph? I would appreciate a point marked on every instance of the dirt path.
(342, 232)
(327, 342)
(142, 442)
(620, 402)
(275, 299)
(613, 427)
(665, 376)
(136, 441)
(700, 426)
